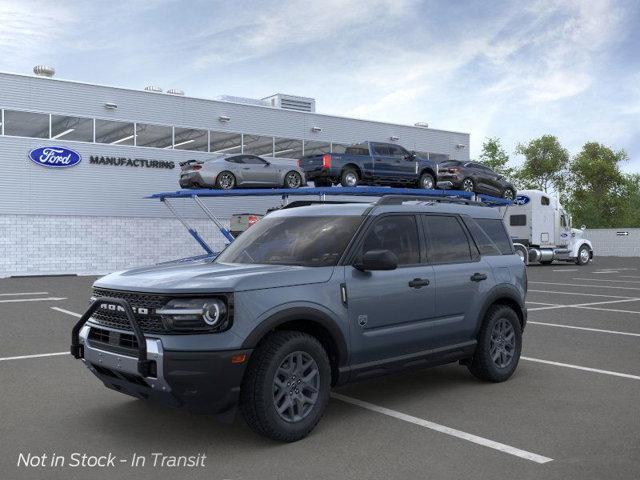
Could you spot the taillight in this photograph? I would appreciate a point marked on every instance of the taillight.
(454, 170)
(326, 161)
(298, 162)
(252, 219)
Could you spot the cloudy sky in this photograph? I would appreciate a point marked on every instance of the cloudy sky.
(515, 70)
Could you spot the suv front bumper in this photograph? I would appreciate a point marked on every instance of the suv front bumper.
(201, 382)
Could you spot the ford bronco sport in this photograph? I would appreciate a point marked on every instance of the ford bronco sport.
(306, 299)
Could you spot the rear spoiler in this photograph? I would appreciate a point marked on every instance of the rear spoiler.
(191, 162)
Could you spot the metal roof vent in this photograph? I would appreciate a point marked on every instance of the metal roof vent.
(44, 71)
(175, 91)
(422, 124)
(153, 88)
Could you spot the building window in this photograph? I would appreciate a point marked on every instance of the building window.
(190, 139)
(287, 148)
(158, 136)
(72, 128)
(224, 142)
(257, 145)
(26, 124)
(312, 147)
(114, 133)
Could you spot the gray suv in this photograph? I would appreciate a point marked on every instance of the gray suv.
(306, 299)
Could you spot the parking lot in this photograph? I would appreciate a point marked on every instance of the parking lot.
(570, 411)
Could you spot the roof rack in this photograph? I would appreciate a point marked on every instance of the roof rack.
(388, 196)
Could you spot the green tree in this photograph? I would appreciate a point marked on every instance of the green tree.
(599, 191)
(495, 157)
(545, 164)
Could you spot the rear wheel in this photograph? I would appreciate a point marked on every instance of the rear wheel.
(292, 179)
(468, 185)
(584, 255)
(427, 181)
(286, 387)
(508, 194)
(225, 180)
(349, 178)
(499, 345)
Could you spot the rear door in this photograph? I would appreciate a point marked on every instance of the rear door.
(462, 277)
(391, 312)
(383, 162)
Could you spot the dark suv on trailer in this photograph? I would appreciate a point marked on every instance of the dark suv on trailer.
(475, 177)
(309, 298)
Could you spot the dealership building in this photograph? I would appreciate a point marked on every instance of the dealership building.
(90, 217)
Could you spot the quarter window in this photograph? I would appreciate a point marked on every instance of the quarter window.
(398, 234)
(448, 241)
(494, 228)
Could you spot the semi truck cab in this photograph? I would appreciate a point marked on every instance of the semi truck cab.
(541, 230)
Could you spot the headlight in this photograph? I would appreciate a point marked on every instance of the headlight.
(208, 314)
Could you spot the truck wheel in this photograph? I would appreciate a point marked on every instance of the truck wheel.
(427, 182)
(583, 255)
(499, 345)
(468, 185)
(349, 178)
(286, 387)
(225, 180)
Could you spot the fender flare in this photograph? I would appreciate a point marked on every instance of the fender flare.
(300, 313)
(579, 244)
(507, 292)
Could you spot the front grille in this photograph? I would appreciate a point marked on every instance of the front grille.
(149, 323)
(111, 341)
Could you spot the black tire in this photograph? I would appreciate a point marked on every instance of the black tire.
(582, 258)
(295, 182)
(468, 185)
(322, 182)
(509, 194)
(221, 180)
(427, 181)
(257, 393)
(482, 364)
(346, 178)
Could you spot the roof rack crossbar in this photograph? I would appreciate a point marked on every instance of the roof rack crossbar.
(395, 199)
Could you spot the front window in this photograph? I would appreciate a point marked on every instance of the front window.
(304, 241)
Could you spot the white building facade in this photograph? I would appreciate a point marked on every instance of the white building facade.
(92, 218)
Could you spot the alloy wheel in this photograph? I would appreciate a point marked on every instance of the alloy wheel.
(503, 343)
(226, 181)
(584, 255)
(296, 386)
(351, 179)
(427, 182)
(467, 185)
(293, 180)
(508, 194)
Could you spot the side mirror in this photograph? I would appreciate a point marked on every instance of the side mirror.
(267, 163)
(377, 260)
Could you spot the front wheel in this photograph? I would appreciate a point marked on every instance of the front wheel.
(508, 194)
(286, 388)
(584, 255)
(292, 180)
(427, 181)
(499, 345)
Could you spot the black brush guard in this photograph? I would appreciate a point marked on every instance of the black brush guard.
(144, 365)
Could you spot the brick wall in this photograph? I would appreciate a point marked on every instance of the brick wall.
(39, 244)
(608, 242)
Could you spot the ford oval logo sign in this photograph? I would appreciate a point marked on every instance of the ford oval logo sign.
(521, 200)
(55, 157)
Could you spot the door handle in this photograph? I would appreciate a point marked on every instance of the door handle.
(418, 282)
(478, 277)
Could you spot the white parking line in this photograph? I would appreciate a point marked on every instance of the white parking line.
(22, 293)
(586, 305)
(47, 299)
(534, 303)
(485, 442)
(628, 276)
(582, 294)
(579, 367)
(591, 286)
(598, 330)
(566, 269)
(40, 355)
(68, 312)
(604, 280)
(616, 310)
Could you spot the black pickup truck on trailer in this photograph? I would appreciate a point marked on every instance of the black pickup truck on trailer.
(371, 163)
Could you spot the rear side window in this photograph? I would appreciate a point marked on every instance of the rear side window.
(381, 149)
(398, 234)
(446, 240)
(357, 150)
(518, 220)
(494, 228)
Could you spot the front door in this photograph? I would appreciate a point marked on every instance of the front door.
(390, 312)
(257, 171)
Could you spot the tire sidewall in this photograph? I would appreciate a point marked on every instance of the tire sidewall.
(316, 351)
(578, 259)
(286, 184)
(496, 373)
(421, 181)
(225, 173)
(343, 177)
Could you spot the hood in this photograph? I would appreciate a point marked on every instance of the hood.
(205, 276)
(577, 232)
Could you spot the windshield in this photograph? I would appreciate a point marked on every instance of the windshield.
(305, 241)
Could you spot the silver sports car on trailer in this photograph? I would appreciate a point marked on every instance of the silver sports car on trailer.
(241, 170)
